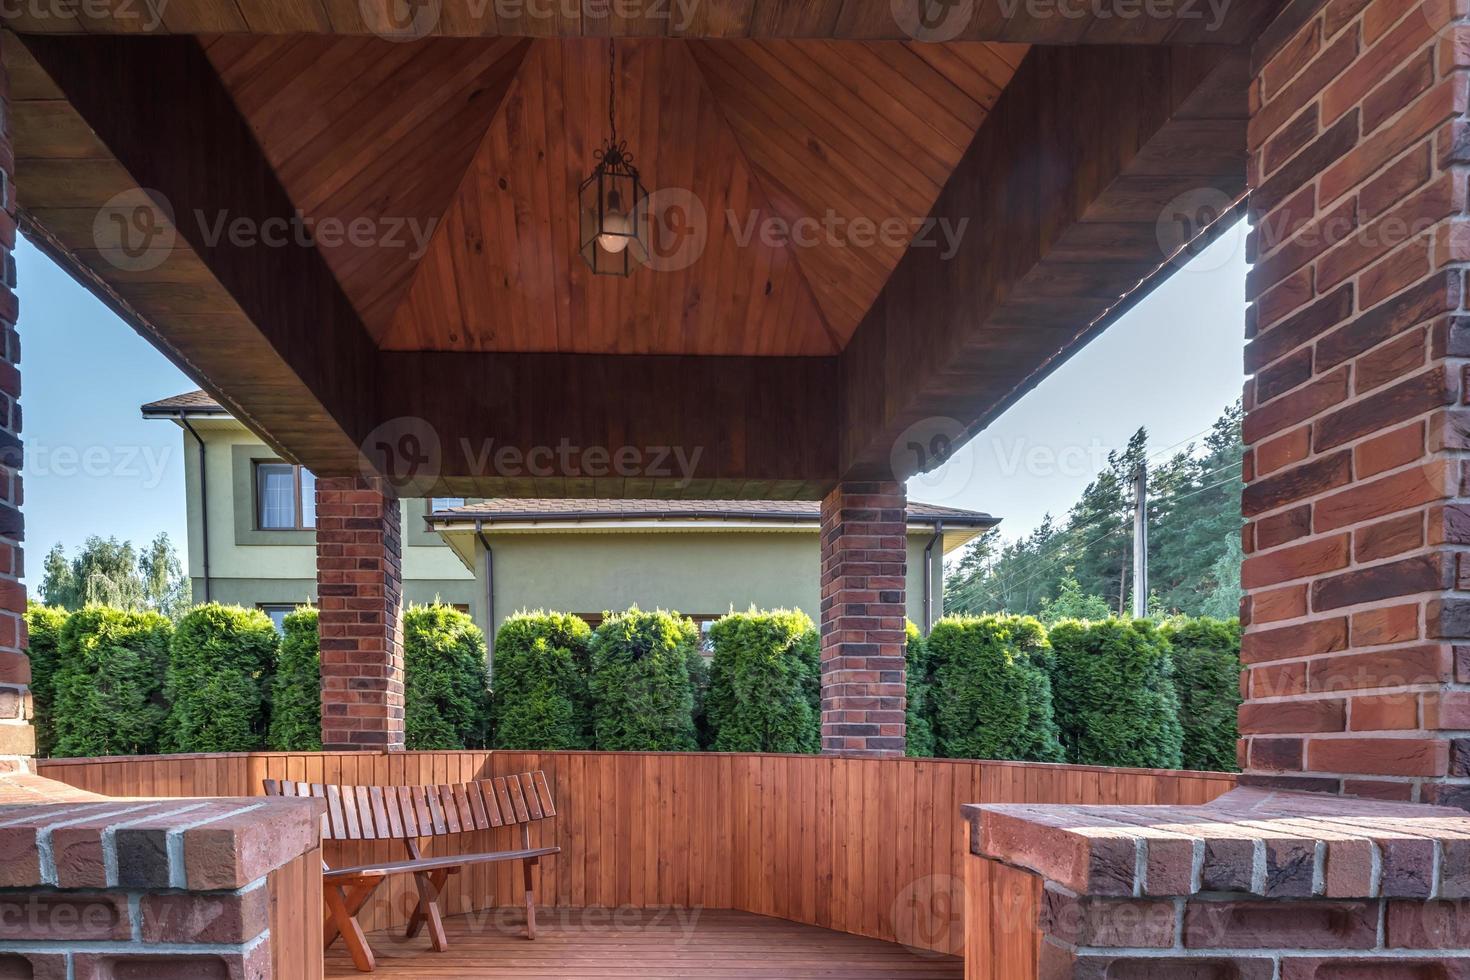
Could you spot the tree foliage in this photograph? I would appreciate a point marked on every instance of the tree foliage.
(1194, 547)
(219, 677)
(1207, 676)
(165, 586)
(992, 691)
(540, 696)
(110, 572)
(764, 687)
(1115, 700)
(296, 688)
(918, 715)
(108, 685)
(642, 682)
(446, 685)
(44, 625)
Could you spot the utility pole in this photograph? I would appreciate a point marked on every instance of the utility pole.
(1140, 541)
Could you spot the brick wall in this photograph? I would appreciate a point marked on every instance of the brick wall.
(1255, 886)
(358, 562)
(1357, 501)
(99, 889)
(16, 737)
(864, 563)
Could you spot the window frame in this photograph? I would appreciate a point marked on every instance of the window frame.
(257, 507)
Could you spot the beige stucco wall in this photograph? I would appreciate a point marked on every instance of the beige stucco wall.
(284, 570)
(694, 572)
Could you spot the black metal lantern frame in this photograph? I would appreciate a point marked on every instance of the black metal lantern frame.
(614, 206)
(612, 200)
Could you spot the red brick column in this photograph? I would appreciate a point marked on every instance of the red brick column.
(1358, 492)
(16, 737)
(361, 622)
(864, 556)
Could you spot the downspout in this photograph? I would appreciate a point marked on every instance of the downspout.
(203, 500)
(929, 576)
(489, 597)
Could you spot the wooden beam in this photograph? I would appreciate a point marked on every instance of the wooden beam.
(1062, 195)
(1026, 21)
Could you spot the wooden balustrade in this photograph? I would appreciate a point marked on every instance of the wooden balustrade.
(868, 846)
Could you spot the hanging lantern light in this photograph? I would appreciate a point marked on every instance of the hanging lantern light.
(612, 200)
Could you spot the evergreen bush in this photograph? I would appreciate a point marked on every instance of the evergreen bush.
(918, 718)
(991, 690)
(446, 687)
(219, 676)
(764, 683)
(1115, 697)
(44, 625)
(108, 683)
(540, 682)
(643, 681)
(296, 690)
(1207, 676)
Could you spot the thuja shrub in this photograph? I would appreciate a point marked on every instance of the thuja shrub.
(1207, 676)
(1115, 697)
(764, 683)
(643, 682)
(540, 696)
(918, 717)
(991, 691)
(219, 679)
(44, 625)
(446, 689)
(108, 683)
(296, 691)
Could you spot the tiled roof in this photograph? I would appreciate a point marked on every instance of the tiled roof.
(189, 401)
(556, 509)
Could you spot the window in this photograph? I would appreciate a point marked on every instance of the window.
(445, 503)
(277, 611)
(285, 497)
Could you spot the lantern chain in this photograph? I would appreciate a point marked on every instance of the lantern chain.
(612, 87)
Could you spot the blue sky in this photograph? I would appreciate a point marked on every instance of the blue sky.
(93, 466)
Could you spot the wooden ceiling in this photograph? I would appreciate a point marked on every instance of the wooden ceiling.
(813, 163)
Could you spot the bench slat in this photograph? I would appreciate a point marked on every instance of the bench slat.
(451, 812)
(334, 809)
(462, 802)
(518, 799)
(477, 806)
(528, 790)
(502, 796)
(492, 805)
(365, 813)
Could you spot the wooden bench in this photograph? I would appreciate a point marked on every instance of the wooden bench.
(407, 813)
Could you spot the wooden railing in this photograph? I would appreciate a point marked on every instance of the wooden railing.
(867, 846)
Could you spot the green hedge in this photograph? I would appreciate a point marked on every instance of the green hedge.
(918, 718)
(1207, 676)
(992, 693)
(643, 682)
(540, 682)
(764, 683)
(446, 687)
(44, 625)
(219, 675)
(1115, 698)
(108, 683)
(296, 690)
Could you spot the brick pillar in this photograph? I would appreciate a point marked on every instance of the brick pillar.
(864, 555)
(361, 622)
(16, 737)
(1357, 472)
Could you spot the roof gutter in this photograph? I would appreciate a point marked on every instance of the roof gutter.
(203, 498)
(929, 575)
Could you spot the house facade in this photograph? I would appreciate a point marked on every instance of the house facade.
(252, 541)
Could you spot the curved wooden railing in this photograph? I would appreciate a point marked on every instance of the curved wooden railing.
(867, 846)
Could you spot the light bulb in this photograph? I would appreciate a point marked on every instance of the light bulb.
(617, 231)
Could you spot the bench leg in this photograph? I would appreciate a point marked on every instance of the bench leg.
(420, 915)
(527, 867)
(428, 909)
(345, 923)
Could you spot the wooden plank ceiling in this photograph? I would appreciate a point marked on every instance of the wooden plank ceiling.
(484, 141)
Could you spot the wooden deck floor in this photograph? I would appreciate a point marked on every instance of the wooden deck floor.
(647, 945)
